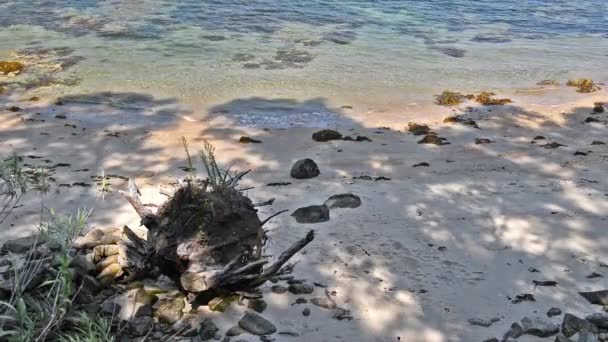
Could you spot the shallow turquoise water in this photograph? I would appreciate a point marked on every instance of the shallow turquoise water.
(372, 54)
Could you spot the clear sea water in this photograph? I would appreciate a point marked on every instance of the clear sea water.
(370, 54)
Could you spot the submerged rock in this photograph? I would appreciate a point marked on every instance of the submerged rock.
(515, 331)
(326, 135)
(599, 319)
(572, 325)
(312, 214)
(343, 201)
(305, 169)
(554, 312)
(598, 107)
(301, 288)
(256, 324)
(596, 297)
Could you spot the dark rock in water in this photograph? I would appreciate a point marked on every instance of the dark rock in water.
(61, 116)
(381, 178)
(258, 305)
(561, 338)
(481, 38)
(524, 297)
(539, 137)
(554, 312)
(207, 330)
(580, 153)
(306, 312)
(538, 326)
(423, 164)
(22, 245)
(256, 324)
(599, 319)
(597, 142)
(591, 119)
(572, 325)
(544, 283)
(342, 314)
(247, 140)
(480, 322)
(598, 108)
(460, 119)
(340, 37)
(343, 201)
(480, 141)
(515, 331)
(214, 38)
(417, 129)
(361, 138)
(139, 326)
(243, 57)
(14, 109)
(326, 135)
(279, 184)
(312, 214)
(596, 297)
(305, 169)
(293, 58)
(301, 288)
(594, 275)
(433, 139)
(452, 52)
(553, 145)
(250, 66)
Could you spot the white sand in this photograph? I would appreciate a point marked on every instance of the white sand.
(498, 209)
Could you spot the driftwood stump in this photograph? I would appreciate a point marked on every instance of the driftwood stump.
(208, 239)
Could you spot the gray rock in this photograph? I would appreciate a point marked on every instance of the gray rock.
(110, 307)
(235, 331)
(562, 338)
(278, 289)
(305, 169)
(312, 214)
(491, 340)
(22, 245)
(587, 337)
(480, 322)
(572, 324)
(326, 135)
(538, 326)
(256, 324)
(301, 288)
(258, 305)
(324, 302)
(170, 310)
(596, 297)
(515, 331)
(599, 319)
(342, 314)
(207, 330)
(343, 201)
(306, 312)
(140, 326)
(84, 263)
(554, 312)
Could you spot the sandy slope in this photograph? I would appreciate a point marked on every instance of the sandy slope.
(495, 209)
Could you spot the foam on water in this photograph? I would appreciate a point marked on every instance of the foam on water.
(370, 54)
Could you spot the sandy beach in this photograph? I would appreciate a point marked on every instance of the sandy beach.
(430, 248)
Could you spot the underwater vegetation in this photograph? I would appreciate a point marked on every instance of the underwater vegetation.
(11, 67)
(485, 98)
(450, 98)
(583, 85)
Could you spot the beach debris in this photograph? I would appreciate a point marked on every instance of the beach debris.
(479, 141)
(583, 85)
(311, 214)
(450, 98)
(596, 297)
(248, 140)
(554, 312)
(358, 138)
(305, 169)
(326, 135)
(524, 297)
(461, 120)
(548, 83)
(279, 184)
(553, 145)
(433, 139)
(256, 324)
(539, 326)
(11, 67)
(343, 201)
(417, 129)
(598, 107)
(423, 164)
(486, 99)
